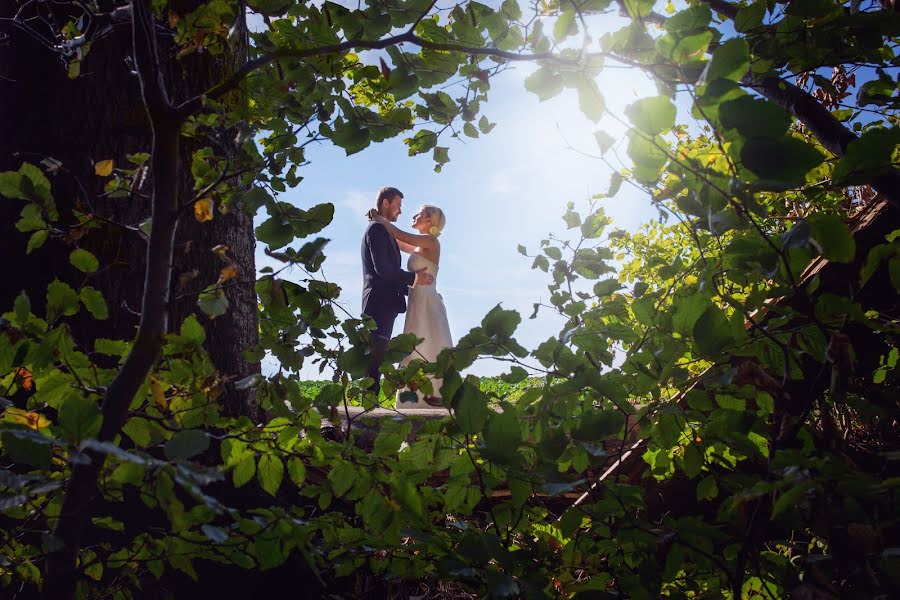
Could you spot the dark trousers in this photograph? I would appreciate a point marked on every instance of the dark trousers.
(380, 339)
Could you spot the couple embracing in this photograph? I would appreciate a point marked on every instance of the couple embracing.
(386, 285)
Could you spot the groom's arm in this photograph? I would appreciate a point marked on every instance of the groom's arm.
(384, 263)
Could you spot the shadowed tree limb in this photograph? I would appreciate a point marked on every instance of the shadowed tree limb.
(60, 573)
(188, 107)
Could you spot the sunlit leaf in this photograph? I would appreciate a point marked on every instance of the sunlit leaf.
(103, 168)
(84, 261)
(203, 210)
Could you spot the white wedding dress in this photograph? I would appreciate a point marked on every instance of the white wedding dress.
(426, 317)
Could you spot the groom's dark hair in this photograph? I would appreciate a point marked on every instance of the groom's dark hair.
(386, 193)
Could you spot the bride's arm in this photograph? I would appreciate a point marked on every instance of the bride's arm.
(404, 247)
(413, 240)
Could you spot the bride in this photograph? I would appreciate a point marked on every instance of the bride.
(426, 315)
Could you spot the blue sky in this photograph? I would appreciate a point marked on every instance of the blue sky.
(507, 188)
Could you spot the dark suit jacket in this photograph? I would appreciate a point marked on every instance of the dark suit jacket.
(384, 283)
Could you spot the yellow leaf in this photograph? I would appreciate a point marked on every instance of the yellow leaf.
(670, 8)
(203, 210)
(32, 420)
(227, 273)
(104, 168)
(220, 251)
(159, 397)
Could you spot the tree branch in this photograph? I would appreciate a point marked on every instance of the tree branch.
(830, 132)
(189, 107)
(60, 575)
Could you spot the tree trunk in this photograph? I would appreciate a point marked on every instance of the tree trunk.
(100, 116)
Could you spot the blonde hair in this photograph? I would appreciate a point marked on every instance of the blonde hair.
(438, 220)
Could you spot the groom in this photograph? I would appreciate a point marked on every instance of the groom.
(384, 283)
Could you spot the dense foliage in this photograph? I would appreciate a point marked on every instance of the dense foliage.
(717, 417)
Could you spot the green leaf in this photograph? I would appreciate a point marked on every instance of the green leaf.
(12, 185)
(791, 497)
(894, 272)
(565, 25)
(639, 8)
(750, 17)
(812, 8)
(296, 471)
(270, 472)
(688, 310)
(590, 100)
(652, 115)
(137, 429)
(375, 511)
(351, 136)
(712, 332)
(787, 159)
(692, 460)
(213, 301)
(441, 156)
(342, 476)
(606, 287)
(80, 417)
(604, 141)
(26, 447)
(754, 117)
(186, 444)
(485, 126)
(37, 185)
(648, 156)
(689, 20)
(244, 471)
(407, 496)
(545, 82)
(356, 361)
(595, 425)
(687, 50)
(94, 302)
(730, 61)
(61, 300)
(84, 261)
(276, 232)
(707, 488)
(191, 329)
(501, 585)
(470, 408)
(500, 322)
(422, 142)
(37, 239)
(867, 157)
(833, 237)
(502, 434)
(111, 347)
(22, 308)
(391, 437)
(516, 374)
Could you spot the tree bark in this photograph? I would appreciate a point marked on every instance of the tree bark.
(100, 116)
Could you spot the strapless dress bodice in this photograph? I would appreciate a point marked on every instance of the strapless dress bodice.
(417, 262)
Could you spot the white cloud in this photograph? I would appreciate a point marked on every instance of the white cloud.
(357, 204)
